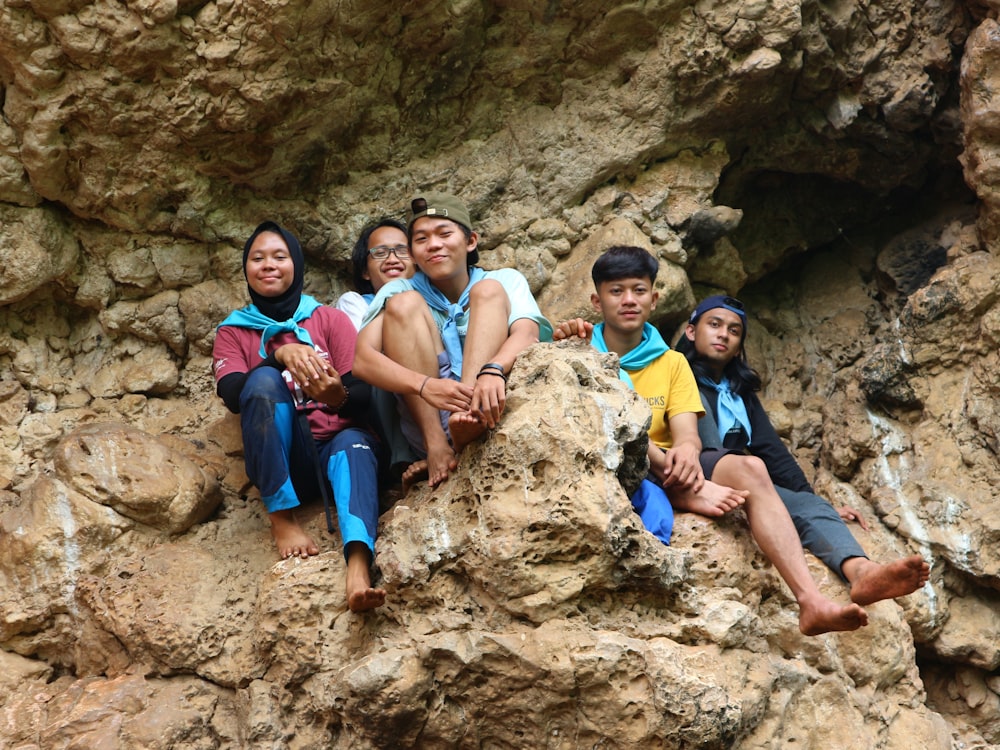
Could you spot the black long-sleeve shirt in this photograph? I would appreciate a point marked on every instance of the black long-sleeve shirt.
(765, 443)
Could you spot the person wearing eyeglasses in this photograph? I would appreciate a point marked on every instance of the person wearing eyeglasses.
(625, 298)
(446, 339)
(737, 427)
(283, 363)
(381, 254)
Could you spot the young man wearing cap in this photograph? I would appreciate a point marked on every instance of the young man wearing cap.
(737, 424)
(623, 279)
(446, 339)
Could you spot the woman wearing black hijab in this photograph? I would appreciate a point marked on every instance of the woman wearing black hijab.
(283, 355)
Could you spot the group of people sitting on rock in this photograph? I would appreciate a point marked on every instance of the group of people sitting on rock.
(426, 345)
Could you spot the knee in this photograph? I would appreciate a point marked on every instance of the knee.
(367, 447)
(265, 383)
(358, 457)
(757, 471)
(753, 471)
(403, 307)
(757, 467)
(487, 291)
(356, 441)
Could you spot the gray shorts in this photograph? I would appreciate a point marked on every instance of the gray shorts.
(711, 456)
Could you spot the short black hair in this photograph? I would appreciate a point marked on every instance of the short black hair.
(624, 262)
(359, 256)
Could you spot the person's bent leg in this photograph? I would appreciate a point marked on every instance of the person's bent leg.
(824, 533)
(352, 468)
(399, 454)
(418, 469)
(267, 421)
(775, 534)
(820, 528)
(411, 338)
(489, 311)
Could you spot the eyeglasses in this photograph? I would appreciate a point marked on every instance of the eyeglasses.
(381, 252)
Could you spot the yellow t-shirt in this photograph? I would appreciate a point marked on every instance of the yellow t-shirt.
(669, 387)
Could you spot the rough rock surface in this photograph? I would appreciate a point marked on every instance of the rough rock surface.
(527, 606)
(832, 163)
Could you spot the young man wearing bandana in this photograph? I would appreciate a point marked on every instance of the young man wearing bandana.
(736, 427)
(623, 279)
(446, 339)
(280, 357)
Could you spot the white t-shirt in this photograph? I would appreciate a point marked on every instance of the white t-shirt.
(355, 305)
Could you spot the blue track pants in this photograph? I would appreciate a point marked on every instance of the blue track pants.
(280, 464)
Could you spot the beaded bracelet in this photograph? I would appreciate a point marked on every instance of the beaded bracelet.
(342, 404)
(484, 371)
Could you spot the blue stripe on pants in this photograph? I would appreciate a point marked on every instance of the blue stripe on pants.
(352, 468)
(278, 458)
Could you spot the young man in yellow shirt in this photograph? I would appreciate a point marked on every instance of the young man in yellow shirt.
(624, 296)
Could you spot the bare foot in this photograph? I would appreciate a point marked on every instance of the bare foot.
(873, 582)
(713, 500)
(413, 474)
(464, 427)
(440, 462)
(361, 597)
(290, 538)
(366, 599)
(824, 616)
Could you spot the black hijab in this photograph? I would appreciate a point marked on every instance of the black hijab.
(282, 307)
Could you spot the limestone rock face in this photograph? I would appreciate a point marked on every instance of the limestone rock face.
(186, 118)
(978, 101)
(161, 488)
(568, 296)
(38, 249)
(833, 164)
(527, 608)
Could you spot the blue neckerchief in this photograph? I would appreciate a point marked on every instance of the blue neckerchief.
(649, 348)
(368, 298)
(251, 317)
(437, 301)
(731, 409)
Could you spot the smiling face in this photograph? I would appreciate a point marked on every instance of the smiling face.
(270, 269)
(380, 272)
(717, 336)
(441, 250)
(625, 304)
